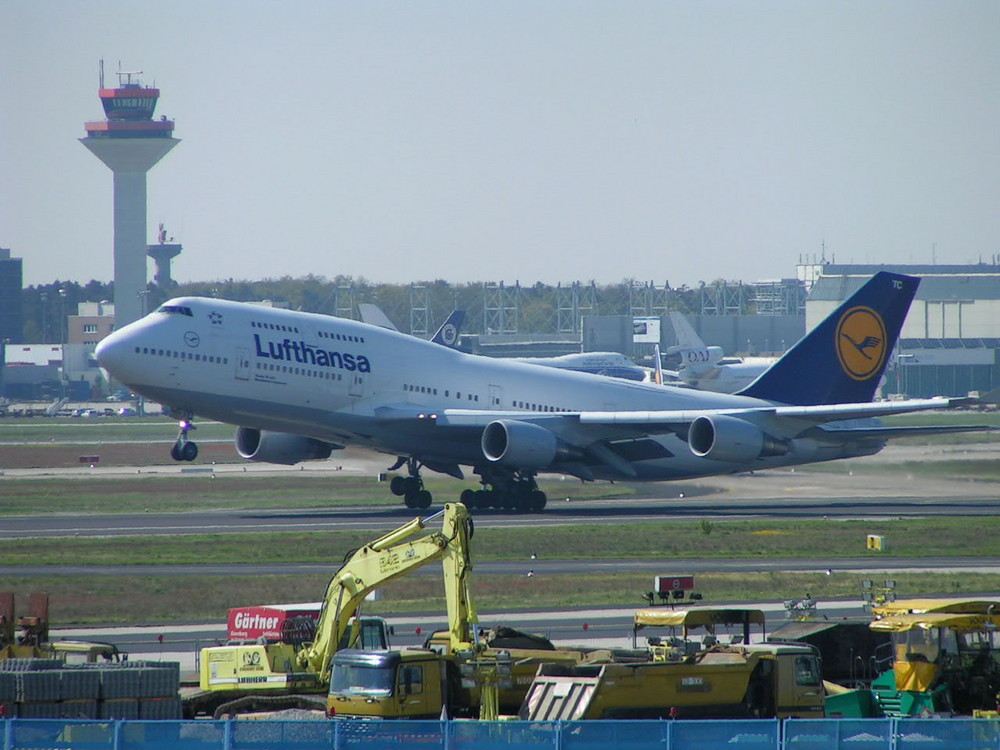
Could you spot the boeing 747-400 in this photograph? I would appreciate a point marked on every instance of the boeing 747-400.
(298, 386)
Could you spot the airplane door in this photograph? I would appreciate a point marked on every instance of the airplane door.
(496, 396)
(356, 385)
(242, 364)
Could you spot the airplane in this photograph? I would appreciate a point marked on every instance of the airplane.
(706, 367)
(446, 335)
(610, 364)
(299, 385)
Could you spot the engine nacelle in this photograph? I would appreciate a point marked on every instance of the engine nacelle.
(279, 447)
(722, 438)
(519, 444)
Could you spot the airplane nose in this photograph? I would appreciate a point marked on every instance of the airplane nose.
(110, 350)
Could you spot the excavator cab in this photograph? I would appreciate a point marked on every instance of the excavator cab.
(368, 633)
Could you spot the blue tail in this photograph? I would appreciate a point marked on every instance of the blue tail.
(842, 359)
(447, 334)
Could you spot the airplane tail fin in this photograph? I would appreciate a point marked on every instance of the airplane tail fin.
(842, 359)
(657, 365)
(447, 334)
(686, 336)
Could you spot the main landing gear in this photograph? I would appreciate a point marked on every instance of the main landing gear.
(184, 449)
(512, 491)
(411, 488)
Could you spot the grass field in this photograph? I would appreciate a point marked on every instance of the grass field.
(766, 540)
(176, 494)
(138, 598)
(84, 598)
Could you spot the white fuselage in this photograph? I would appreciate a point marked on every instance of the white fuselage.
(346, 382)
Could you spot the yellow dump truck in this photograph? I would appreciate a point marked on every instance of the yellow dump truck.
(736, 681)
(420, 683)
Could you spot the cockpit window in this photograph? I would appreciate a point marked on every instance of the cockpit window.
(175, 310)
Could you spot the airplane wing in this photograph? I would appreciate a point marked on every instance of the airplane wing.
(791, 420)
(810, 415)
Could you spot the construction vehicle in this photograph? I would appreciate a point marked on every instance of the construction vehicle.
(265, 675)
(461, 672)
(22, 637)
(27, 636)
(921, 657)
(706, 624)
(943, 662)
(764, 680)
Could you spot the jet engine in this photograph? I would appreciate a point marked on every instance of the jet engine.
(722, 438)
(519, 444)
(279, 447)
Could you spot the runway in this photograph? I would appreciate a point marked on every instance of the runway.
(772, 495)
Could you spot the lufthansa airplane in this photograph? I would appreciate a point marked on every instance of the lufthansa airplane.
(298, 386)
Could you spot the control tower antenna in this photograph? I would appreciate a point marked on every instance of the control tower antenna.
(129, 142)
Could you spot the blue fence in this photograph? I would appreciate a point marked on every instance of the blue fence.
(792, 734)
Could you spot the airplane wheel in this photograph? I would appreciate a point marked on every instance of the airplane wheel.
(423, 499)
(468, 499)
(397, 486)
(412, 485)
(537, 501)
(189, 451)
(410, 499)
(175, 452)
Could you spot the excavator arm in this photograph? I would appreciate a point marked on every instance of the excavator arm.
(457, 564)
(384, 560)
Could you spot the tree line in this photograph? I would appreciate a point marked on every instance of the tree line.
(419, 307)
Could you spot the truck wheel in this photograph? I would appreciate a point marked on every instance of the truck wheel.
(754, 702)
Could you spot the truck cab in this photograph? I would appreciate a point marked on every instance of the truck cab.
(409, 684)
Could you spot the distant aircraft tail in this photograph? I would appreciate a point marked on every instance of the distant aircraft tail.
(687, 338)
(842, 359)
(447, 334)
(657, 365)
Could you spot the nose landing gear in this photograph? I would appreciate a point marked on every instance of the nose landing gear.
(184, 449)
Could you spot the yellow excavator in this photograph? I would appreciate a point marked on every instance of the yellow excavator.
(262, 676)
(460, 672)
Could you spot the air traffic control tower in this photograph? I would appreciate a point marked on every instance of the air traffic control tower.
(130, 142)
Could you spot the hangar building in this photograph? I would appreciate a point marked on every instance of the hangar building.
(950, 343)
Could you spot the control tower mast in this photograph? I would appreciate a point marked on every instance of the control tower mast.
(129, 142)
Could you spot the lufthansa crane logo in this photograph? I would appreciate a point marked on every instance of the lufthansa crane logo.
(861, 342)
(449, 334)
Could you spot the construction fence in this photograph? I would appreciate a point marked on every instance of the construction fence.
(759, 734)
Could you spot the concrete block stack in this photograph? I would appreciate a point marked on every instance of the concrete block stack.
(42, 688)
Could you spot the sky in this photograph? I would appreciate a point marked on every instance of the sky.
(672, 141)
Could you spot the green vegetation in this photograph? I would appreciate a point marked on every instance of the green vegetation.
(161, 599)
(965, 470)
(101, 430)
(766, 540)
(206, 491)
